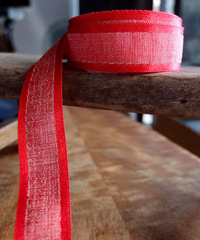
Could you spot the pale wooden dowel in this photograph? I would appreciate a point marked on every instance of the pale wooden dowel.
(8, 132)
(169, 93)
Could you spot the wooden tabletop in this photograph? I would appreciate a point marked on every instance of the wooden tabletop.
(127, 181)
(168, 93)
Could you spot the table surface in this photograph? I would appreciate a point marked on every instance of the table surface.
(127, 181)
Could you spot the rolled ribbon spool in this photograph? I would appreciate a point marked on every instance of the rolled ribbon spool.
(125, 41)
(116, 41)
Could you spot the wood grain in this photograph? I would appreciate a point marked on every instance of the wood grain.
(154, 184)
(127, 181)
(9, 185)
(178, 132)
(169, 93)
(8, 132)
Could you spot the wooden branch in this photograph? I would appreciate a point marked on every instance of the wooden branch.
(169, 93)
(8, 132)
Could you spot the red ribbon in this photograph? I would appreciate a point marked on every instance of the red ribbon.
(117, 41)
(125, 41)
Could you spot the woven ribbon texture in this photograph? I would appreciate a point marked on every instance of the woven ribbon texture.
(114, 41)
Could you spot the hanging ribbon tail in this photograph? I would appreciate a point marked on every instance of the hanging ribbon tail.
(43, 210)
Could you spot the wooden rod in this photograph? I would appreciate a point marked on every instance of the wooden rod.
(169, 93)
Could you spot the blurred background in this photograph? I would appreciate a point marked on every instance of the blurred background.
(33, 26)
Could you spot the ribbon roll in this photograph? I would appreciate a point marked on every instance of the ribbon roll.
(125, 41)
(116, 41)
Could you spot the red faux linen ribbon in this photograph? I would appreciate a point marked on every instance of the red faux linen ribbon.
(115, 41)
(125, 41)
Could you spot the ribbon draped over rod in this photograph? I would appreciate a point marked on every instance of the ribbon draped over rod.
(113, 41)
